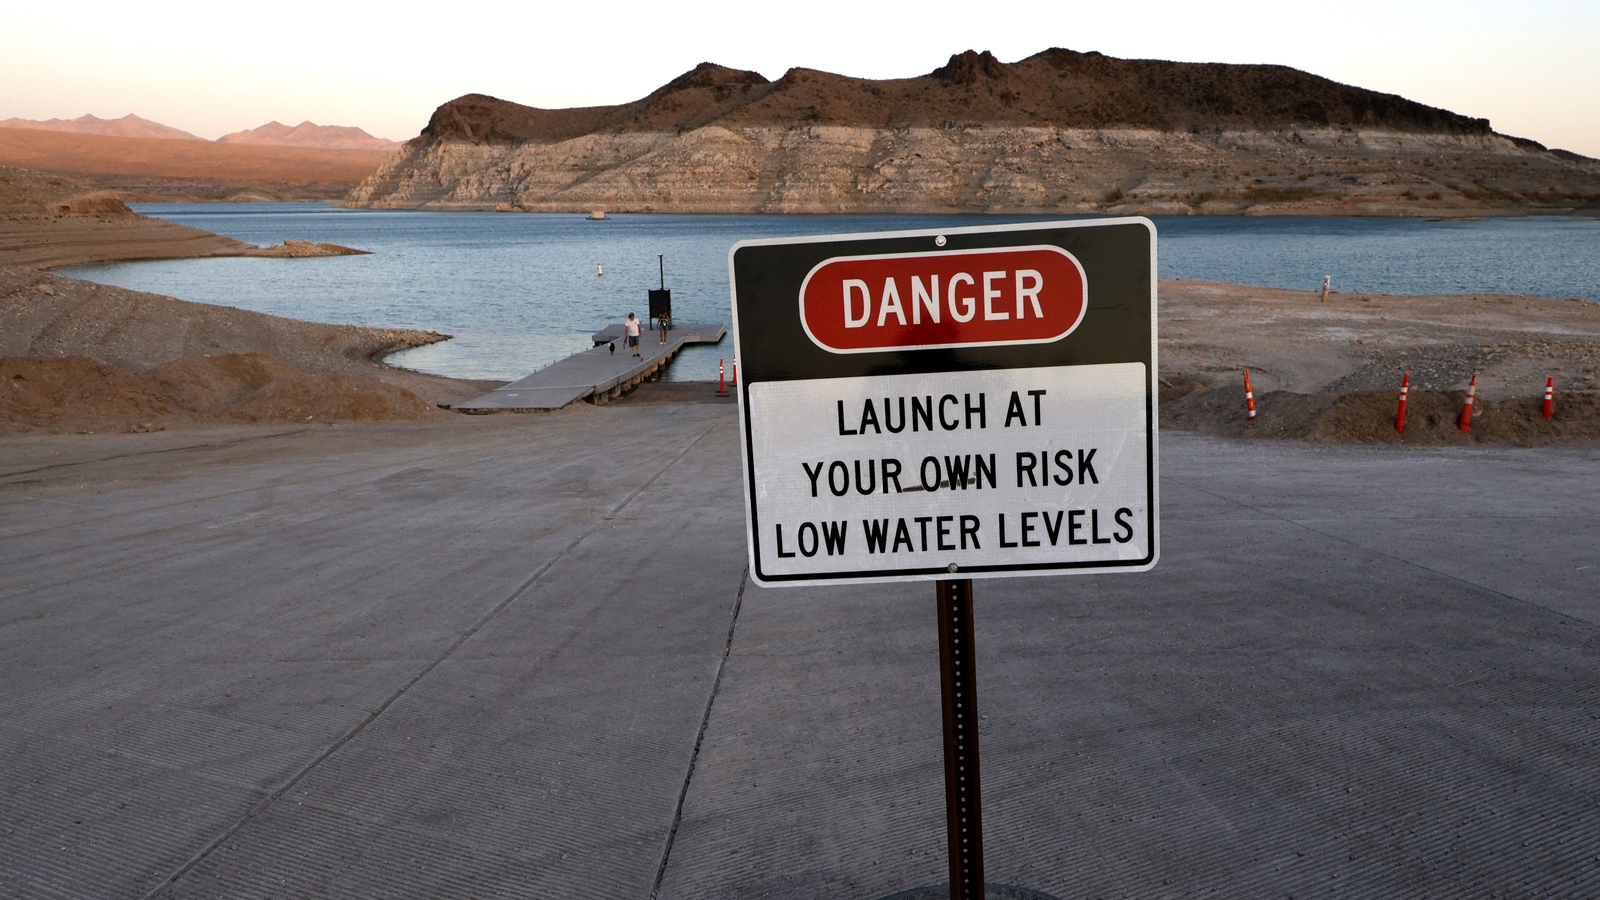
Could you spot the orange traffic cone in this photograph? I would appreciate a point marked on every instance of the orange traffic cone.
(1466, 410)
(1249, 395)
(1400, 414)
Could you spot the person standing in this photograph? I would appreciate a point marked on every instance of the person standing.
(631, 329)
(665, 321)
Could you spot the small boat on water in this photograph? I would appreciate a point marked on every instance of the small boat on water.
(597, 215)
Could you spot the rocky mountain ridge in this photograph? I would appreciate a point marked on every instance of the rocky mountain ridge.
(1059, 131)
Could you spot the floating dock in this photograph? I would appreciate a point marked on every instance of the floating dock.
(598, 375)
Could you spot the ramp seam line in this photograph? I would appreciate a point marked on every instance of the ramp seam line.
(261, 805)
(705, 721)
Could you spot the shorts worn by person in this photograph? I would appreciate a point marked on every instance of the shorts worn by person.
(631, 329)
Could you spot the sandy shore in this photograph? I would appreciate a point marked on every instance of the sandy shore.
(44, 240)
(52, 221)
(82, 357)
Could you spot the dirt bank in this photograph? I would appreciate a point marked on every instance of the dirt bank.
(1330, 371)
(1368, 417)
(86, 357)
(1292, 341)
(75, 393)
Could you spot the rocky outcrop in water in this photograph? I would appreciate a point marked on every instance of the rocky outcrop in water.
(1057, 132)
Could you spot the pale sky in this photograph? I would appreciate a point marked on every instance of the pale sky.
(1531, 67)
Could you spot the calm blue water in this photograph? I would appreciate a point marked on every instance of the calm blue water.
(520, 291)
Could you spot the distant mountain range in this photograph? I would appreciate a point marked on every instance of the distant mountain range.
(164, 169)
(127, 126)
(273, 134)
(1059, 131)
(310, 134)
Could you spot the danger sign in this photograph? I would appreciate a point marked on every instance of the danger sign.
(928, 300)
(976, 401)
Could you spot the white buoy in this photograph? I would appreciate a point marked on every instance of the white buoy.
(600, 270)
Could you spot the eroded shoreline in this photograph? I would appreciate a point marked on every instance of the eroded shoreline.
(80, 356)
(1321, 369)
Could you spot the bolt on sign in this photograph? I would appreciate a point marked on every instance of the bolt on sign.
(976, 401)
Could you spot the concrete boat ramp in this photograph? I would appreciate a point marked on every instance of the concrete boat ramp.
(518, 658)
(600, 374)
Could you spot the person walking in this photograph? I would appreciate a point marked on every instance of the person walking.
(631, 329)
(665, 321)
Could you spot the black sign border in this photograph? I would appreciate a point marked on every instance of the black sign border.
(879, 576)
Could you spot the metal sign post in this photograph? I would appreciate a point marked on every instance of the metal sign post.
(958, 688)
(939, 405)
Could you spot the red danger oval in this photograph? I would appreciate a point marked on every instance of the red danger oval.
(961, 298)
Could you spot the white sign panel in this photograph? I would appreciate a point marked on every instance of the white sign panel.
(1017, 467)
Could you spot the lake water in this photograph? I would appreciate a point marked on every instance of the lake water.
(520, 291)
